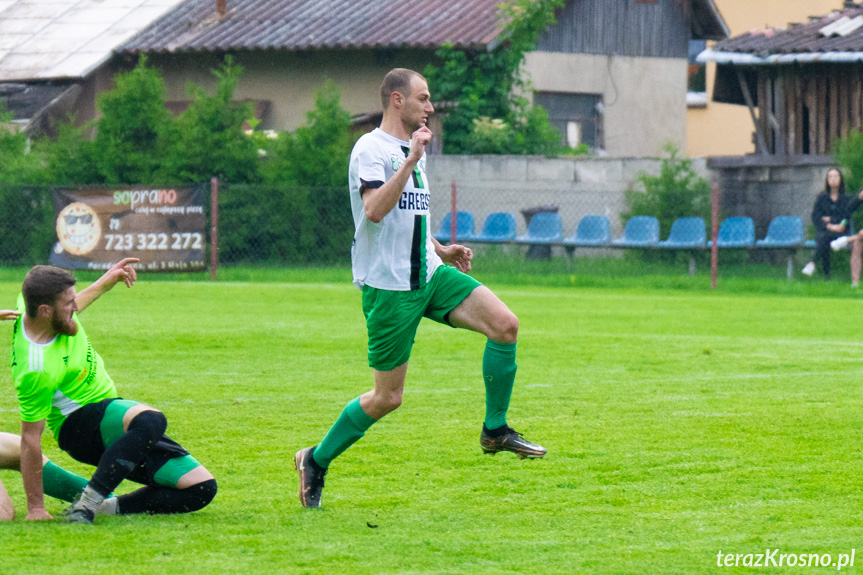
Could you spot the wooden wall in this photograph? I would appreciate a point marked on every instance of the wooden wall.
(804, 109)
(649, 28)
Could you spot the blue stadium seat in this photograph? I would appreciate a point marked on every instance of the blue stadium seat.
(640, 231)
(544, 228)
(736, 232)
(464, 227)
(783, 232)
(591, 231)
(686, 233)
(498, 227)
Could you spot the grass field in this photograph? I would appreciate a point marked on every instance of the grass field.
(679, 423)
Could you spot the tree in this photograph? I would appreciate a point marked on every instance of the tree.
(17, 164)
(25, 210)
(303, 214)
(135, 131)
(208, 135)
(488, 86)
(317, 153)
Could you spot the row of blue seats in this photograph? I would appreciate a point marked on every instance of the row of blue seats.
(640, 231)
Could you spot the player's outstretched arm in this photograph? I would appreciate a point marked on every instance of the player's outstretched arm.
(31, 468)
(121, 271)
(454, 254)
(8, 314)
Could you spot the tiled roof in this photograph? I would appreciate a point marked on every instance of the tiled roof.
(195, 25)
(800, 38)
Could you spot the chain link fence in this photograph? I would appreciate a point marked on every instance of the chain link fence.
(554, 218)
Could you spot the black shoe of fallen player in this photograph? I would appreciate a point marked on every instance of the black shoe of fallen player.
(510, 440)
(78, 513)
(311, 478)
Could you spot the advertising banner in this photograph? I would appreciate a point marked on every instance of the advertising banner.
(164, 228)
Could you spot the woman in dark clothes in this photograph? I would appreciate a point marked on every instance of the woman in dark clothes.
(830, 216)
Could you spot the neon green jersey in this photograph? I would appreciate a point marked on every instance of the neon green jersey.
(56, 378)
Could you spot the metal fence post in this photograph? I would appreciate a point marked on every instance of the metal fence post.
(453, 213)
(214, 229)
(714, 232)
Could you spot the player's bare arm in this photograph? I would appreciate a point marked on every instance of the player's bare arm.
(379, 202)
(8, 314)
(31, 468)
(454, 254)
(121, 271)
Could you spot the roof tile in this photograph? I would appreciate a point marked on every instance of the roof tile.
(798, 38)
(313, 24)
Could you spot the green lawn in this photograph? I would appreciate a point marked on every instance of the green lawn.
(679, 423)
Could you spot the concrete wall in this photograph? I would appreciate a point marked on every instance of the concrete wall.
(580, 187)
(769, 189)
(644, 98)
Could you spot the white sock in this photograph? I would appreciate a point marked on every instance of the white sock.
(107, 507)
(90, 498)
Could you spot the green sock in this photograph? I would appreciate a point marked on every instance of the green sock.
(61, 484)
(347, 430)
(498, 371)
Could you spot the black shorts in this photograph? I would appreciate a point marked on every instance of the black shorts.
(81, 437)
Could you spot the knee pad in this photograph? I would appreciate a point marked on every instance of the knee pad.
(154, 423)
(200, 495)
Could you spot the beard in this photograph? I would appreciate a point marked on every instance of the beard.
(64, 327)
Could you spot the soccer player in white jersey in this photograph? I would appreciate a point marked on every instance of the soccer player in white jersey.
(400, 269)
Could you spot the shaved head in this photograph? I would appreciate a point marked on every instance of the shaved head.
(397, 80)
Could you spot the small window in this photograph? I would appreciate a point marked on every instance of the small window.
(578, 117)
(696, 86)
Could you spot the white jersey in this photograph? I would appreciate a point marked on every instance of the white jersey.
(396, 254)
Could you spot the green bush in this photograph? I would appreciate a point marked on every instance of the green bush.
(136, 131)
(26, 211)
(295, 225)
(316, 154)
(209, 140)
(490, 116)
(849, 154)
(677, 192)
(300, 214)
(26, 224)
(17, 164)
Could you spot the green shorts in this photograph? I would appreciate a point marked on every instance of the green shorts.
(392, 317)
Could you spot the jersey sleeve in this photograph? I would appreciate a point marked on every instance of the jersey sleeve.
(35, 393)
(370, 167)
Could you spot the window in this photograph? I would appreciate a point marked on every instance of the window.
(578, 117)
(696, 88)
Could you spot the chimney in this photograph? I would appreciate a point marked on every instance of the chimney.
(222, 7)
